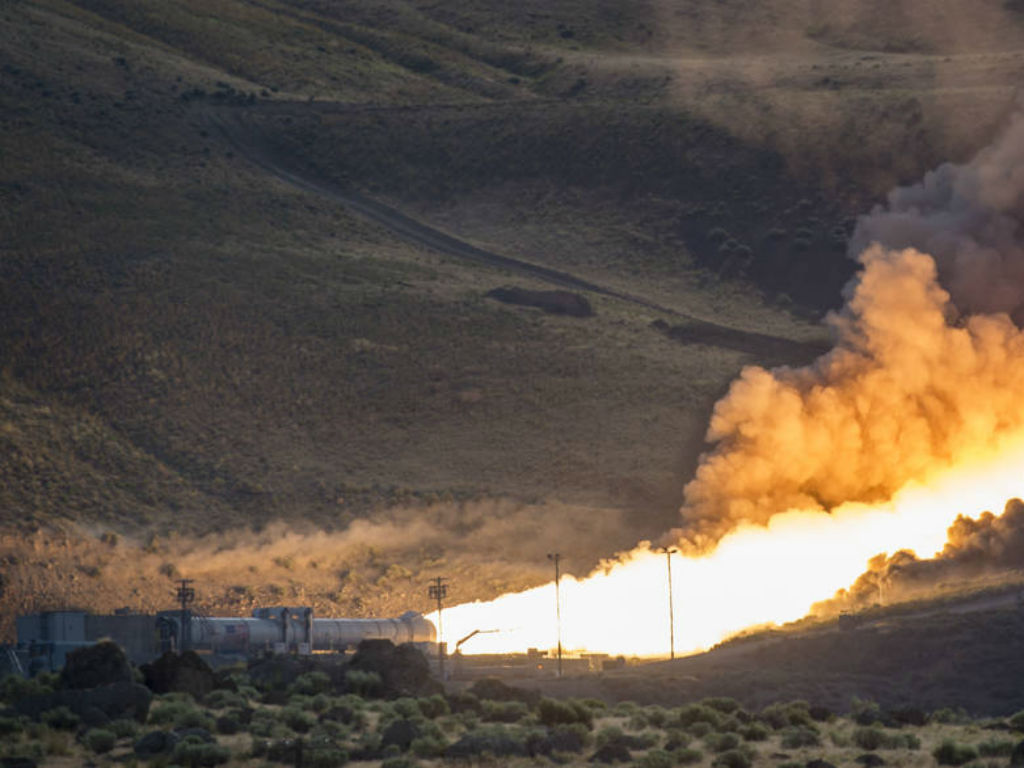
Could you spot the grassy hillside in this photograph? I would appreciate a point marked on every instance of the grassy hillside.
(191, 345)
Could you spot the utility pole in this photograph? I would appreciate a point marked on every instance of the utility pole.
(671, 608)
(439, 591)
(556, 558)
(186, 596)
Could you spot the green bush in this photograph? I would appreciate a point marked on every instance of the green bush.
(503, 711)
(700, 729)
(676, 738)
(365, 684)
(402, 761)
(687, 756)
(866, 712)
(123, 728)
(325, 756)
(779, 716)
(433, 707)
(194, 718)
(553, 712)
(697, 713)
(195, 753)
(99, 740)
(996, 748)
(428, 746)
(222, 699)
(656, 758)
(721, 742)
(951, 753)
(298, 720)
(311, 683)
(754, 732)
(14, 688)
(11, 725)
(61, 718)
(800, 736)
(723, 704)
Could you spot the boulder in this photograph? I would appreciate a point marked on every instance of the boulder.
(156, 743)
(403, 670)
(95, 665)
(186, 673)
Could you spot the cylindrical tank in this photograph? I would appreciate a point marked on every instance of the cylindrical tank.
(283, 628)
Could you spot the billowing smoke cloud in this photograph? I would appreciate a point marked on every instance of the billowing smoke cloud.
(966, 217)
(976, 549)
(925, 372)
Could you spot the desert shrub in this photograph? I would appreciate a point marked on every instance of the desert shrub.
(840, 739)
(464, 701)
(1016, 720)
(61, 718)
(723, 704)
(754, 732)
(656, 758)
(124, 728)
(222, 699)
(697, 713)
(553, 712)
(733, 758)
(402, 761)
(870, 738)
(166, 712)
(625, 708)
(366, 684)
(195, 753)
(779, 716)
(675, 738)
(406, 707)
(265, 724)
(637, 721)
(612, 734)
(700, 729)
(99, 740)
(951, 753)
(657, 717)
(428, 746)
(325, 757)
(909, 741)
(228, 725)
(433, 707)
(10, 725)
(687, 756)
(866, 712)
(996, 748)
(14, 688)
(194, 718)
(503, 711)
(572, 737)
(497, 740)
(311, 683)
(721, 742)
(298, 720)
(800, 736)
(56, 743)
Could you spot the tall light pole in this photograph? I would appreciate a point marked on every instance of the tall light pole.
(439, 591)
(556, 558)
(671, 608)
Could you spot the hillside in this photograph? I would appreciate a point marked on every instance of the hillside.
(200, 337)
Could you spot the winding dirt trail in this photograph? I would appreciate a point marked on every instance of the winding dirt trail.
(229, 122)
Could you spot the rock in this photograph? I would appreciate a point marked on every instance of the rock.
(120, 700)
(401, 733)
(95, 665)
(403, 670)
(552, 302)
(870, 760)
(612, 752)
(186, 673)
(156, 743)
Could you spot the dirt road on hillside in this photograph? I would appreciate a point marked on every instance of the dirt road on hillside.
(229, 122)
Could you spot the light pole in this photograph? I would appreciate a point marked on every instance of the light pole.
(671, 608)
(439, 591)
(556, 558)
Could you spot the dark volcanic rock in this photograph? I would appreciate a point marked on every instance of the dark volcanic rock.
(552, 302)
(401, 733)
(186, 673)
(95, 665)
(155, 743)
(870, 760)
(403, 670)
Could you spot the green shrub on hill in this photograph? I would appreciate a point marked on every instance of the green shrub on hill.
(951, 753)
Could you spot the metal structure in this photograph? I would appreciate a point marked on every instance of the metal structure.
(186, 596)
(671, 608)
(439, 591)
(556, 559)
